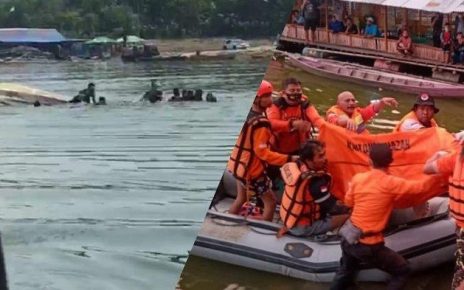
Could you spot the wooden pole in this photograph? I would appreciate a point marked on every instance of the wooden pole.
(405, 17)
(420, 23)
(327, 19)
(386, 28)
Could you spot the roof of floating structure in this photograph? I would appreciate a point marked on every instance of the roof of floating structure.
(30, 35)
(442, 6)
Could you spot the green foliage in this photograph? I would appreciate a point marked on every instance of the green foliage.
(149, 18)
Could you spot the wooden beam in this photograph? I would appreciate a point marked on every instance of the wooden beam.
(420, 22)
(406, 18)
(386, 28)
(327, 19)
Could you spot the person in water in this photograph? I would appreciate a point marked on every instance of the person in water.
(210, 97)
(153, 95)
(308, 208)
(372, 195)
(198, 96)
(251, 155)
(176, 95)
(347, 114)
(85, 95)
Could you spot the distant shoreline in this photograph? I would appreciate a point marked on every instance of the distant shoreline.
(202, 44)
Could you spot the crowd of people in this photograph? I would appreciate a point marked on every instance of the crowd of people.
(445, 35)
(153, 95)
(277, 142)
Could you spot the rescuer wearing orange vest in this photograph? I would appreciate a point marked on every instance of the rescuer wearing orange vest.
(251, 154)
(372, 195)
(308, 208)
(421, 115)
(292, 116)
(347, 114)
(452, 165)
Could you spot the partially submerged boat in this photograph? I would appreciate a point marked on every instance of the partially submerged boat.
(233, 239)
(364, 75)
(210, 55)
(12, 93)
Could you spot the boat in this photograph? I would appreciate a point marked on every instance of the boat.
(249, 243)
(11, 93)
(210, 55)
(364, 75)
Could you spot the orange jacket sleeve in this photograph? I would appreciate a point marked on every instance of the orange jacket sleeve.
(277, 124)
(349, 199)
(368, 112)
(262, 149)
(313, 115)
(400, 186)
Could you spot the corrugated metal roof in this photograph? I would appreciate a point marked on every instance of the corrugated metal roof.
(24, 35)
(442, 6)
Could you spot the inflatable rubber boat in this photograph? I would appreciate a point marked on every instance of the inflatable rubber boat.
(233, 239)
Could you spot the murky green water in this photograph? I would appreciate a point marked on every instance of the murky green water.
(112, 197)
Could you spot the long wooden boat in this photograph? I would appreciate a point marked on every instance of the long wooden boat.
(367, 76)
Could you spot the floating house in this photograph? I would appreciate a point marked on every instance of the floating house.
(390, 15)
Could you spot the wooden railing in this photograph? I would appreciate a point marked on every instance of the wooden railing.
(421, 51)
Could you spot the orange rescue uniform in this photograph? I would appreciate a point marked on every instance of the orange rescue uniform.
(360, 116)
(372, 195)
(281, 114)
(453, 166)
(413, 125)
(252, 150)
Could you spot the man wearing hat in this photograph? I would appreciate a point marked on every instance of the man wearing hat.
(371, 30)
(421, 115)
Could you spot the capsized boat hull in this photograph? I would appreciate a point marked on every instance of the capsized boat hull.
(363, 75)
(11, 93)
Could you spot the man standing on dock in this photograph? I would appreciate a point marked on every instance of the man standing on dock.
(347, 114)
(312, 16)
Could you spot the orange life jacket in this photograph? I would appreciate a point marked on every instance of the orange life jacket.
(285, 142)
(298, 207)
(356, 117)
(242, 154)
(411, 115)
(456, 192)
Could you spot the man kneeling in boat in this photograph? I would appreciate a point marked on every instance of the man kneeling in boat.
(251, 154)
(421, 115)
(372, 195)
(347, 114)
(308, 208)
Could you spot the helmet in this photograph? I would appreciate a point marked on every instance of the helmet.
(265, 88)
